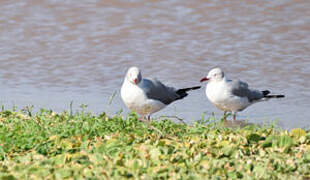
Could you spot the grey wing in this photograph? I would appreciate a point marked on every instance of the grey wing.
(154, 89)
(242, 89)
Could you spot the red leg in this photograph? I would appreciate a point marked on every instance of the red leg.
(224, 115)
(142, 118)
(149, 117)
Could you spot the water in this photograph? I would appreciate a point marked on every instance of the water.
(53, 52)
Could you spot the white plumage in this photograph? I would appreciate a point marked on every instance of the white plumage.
(148, 96)
(232, 95)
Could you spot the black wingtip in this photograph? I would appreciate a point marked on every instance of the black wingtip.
(182, 92)
(188, 89)
(275, 96)
(195, 87)
(266, 92)
(266, 95)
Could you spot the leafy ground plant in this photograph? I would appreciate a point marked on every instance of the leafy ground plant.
(49, 145)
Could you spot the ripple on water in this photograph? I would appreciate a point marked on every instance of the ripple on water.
(55, 51)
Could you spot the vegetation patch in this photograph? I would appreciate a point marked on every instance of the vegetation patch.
(49, 145)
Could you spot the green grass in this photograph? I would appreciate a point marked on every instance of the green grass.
(50, 145)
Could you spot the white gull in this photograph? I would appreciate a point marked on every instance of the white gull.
(232, 95)
(148, 96)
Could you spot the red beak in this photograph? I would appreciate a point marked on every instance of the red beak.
(135, 80)
(204, 79)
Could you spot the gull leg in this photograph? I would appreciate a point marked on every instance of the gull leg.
(234, 116)
(149, 117)
(224, 115)
(142, 118)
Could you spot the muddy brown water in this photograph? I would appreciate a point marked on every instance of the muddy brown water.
(53, 52)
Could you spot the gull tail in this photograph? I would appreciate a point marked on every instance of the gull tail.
(183, 92)
(266, 95)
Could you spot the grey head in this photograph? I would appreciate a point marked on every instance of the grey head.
(134, 75)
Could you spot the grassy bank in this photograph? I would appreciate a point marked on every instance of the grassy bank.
(48, 145)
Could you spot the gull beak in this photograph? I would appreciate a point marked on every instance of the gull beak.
(204, 79)
(135, 80)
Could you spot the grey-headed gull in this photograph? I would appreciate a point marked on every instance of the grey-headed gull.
(148, 96)
(232, 95)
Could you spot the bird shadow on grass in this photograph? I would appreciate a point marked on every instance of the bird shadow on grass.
(237, 123)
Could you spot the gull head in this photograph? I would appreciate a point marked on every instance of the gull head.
(215, 74)
(134, 75)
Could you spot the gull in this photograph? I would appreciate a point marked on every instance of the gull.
(232, 95)
(147, 96)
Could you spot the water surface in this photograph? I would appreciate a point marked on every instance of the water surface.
(53, 52)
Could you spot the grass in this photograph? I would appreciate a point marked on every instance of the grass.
(49, 145)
